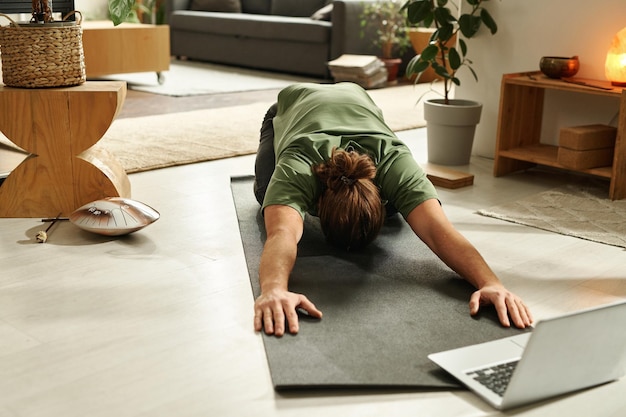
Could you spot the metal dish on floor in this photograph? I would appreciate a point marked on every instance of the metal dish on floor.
(114, 216)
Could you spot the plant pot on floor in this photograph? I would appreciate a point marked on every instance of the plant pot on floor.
(420, 39)
(393, 66)
(450, 130)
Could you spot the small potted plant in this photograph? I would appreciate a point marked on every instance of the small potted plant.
(42, 12)
(445, 58)
(388, 19)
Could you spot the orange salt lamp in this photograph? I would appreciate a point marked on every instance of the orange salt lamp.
(615, 65)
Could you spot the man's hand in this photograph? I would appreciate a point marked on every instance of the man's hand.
(272, 308)
(506, 303)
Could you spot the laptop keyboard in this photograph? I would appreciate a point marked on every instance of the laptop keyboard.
(496, 377)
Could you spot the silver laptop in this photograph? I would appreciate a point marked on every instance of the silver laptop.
(561, 355)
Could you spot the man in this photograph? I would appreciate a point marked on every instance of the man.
(326, 150)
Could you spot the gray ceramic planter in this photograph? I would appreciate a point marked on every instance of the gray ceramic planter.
(450, 129)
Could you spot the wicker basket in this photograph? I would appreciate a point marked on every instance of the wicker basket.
(42, 55)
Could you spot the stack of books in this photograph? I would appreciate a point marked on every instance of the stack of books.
(365, 70)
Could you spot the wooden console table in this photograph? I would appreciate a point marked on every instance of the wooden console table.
(126, 48)
(519, 127)
(60, 127)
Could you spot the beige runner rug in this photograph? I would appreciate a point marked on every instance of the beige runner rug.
(192, 78)
(151, 142)
(583, 211)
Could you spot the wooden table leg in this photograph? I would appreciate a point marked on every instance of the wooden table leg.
(618, 177)
(519, 124)
(60, 128)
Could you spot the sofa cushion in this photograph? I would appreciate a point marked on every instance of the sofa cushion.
(232, 6)
(256, 6)
(325, 13)
(242, 25)
(299, 8)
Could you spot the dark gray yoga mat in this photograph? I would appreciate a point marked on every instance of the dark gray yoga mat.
(385, 309)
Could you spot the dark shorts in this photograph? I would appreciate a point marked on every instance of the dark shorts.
(265, 157)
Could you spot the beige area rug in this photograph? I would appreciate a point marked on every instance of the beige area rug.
(582, 211)
(151, 142)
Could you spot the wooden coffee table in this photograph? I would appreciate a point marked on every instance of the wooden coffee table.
(126, 48)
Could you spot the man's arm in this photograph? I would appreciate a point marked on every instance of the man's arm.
(430, 224)
(284, 227)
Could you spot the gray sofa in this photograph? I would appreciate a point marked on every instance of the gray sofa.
(277, 35)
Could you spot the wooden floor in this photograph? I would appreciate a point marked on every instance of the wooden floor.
(159, 323)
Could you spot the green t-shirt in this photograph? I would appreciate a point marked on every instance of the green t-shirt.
(311, 120)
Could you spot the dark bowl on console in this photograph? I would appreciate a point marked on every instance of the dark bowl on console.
(558, 66)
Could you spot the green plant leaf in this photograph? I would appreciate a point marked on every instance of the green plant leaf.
(463, 46)
(469, 25)
(454, 59)
(420, 11)
(488, 21)
(443, 16)
(416, 65)
(430, 52)
(473, 72)
(428, 22)
(445, 32)
(120, 9)
(441, 71)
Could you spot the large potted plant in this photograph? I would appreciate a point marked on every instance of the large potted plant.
(451, 123)
(388, 19)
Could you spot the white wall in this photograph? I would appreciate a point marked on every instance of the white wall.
(528, 30)
(92, 9)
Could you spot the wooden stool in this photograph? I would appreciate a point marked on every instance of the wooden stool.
(60, 127)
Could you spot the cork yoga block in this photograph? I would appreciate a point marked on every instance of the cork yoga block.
(583, 138)
(584, 147)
